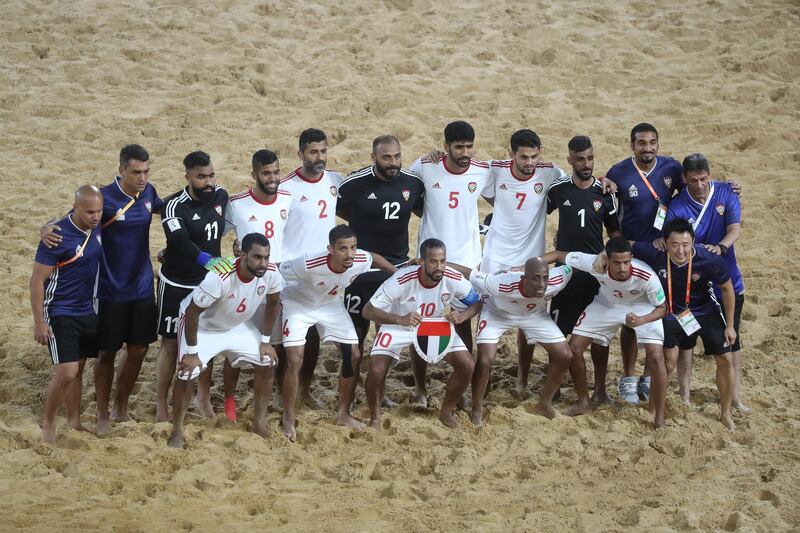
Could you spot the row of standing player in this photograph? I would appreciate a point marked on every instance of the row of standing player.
(451, 186)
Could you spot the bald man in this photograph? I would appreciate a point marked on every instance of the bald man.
(518, 298)
(62, 299)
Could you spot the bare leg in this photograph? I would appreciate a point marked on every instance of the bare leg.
(463, 367)
(725, 379)
(167, 367)
(230, 378)
(73, 399)
(600, 362)
(279, 371)
(348, 377)
(129, 369)
(685, 358)
(57, 391)
(291, 378)
(627, 343)
(419, 367)
(487, 353)
(203, 400)
(559, 358)
(181, 393)
(262, 393)
(577, 369)
(737, 382)
(310, 358)
(670, 360)
(103, 377)
(379, 366)
(524, 358)
(658, 387)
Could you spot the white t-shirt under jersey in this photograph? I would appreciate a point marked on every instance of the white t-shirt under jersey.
(312, 284)
(450, 213)
(641, 287)
(404, 292)
(246, 214)
(312, 214)
(517, 231)
(503, 291)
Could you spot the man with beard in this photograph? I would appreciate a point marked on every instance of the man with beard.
(261, 209)
(216, 317)
(583, 210)
(193, 221)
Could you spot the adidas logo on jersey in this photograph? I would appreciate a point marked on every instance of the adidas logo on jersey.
(503, 187)
(252, 218)
(436, 185)
(321, 283)
(231, 296)
(412, 299)
(196, 217)
(372, 196)
(566, 202)
(303, 199)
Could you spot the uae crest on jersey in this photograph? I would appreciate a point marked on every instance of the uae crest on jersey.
(148, 206)
(284, 214)
(333, 191)
(99, 240)
(668, 181)
(721, 209)
(445, 297)
(472, 186)
(261, 290)
(538, 188)
(406, 194)
(695, 276)
(633, 192)
(433, 338)
(218, 209)
(597, 204)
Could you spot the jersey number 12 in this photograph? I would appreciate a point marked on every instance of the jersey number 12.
(390, 210)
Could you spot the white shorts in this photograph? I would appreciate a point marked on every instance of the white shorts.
(333, 324)
(275, 336)
(601, 323)
(241, 343)
(538, 327)
(391, 339)
(490, 267)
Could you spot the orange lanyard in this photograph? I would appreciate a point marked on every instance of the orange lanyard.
(688, 281)
(78, 253)
(119, 213)
(646, 182)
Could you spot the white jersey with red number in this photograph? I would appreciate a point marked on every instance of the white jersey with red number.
(312, 282)
(313, 212)
(641, 287)
(503, 291)
(246, 214)
(450, 213)
(517, 231)
(228, 300)
(404, 292)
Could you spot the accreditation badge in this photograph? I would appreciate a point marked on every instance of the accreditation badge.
(687, 321)
(661, 215)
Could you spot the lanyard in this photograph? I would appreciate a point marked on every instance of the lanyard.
(688, 281)
(119, 213)
(646, 182)
(78, 253)
(703, 210)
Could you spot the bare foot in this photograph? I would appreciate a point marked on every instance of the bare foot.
(387, 403)
(462, 402)
(48, 433)
(419, 400)
(545, 409)
(162, 413)
(685, 400)
(375, 424)
(176, 439)
(103, 427)
(599, 398)
(740, 405)
(261, 430)
(77, 426)
(287, 427)
(312, 403)
(277, 403)
(449, 420)
(120, 415)
(476, 416)
(580, 408)
(727, 421)
(204, 406)
(522, 391)
(347, 420)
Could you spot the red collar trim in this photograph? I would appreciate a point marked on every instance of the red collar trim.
(444, 163)
(421, 282)
(308, 180)
(514, 174)
(330, 266)
(268, 202)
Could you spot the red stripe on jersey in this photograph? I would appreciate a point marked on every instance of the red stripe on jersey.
(285, 193)
(239, 196)
(501, 163)
(508, 289)
(642, 273)
(406, 279)
(543, 164)
(478, 163)
(456, 273)
(317, 261)
(289, 176)
(457, 278)
(271, 267)
(640, 276)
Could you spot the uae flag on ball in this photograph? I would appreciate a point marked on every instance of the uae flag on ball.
(433, 339)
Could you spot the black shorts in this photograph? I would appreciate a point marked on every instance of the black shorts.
(359, 293)
(169, 304)
(567, 305)
(712, 331)
(131, 322)
(74, 338)
(737, 320)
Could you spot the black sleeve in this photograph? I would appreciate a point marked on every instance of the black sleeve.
(343, 202)
(552, 204)
(178, 237)
(611, 213)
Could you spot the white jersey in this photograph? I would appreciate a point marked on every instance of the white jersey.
(228, 300)
(450, 213)
(503, 291)
(246, 214)
(517, 231)
(312, 214)
(404, 292)
(312, 282)
(641, 287)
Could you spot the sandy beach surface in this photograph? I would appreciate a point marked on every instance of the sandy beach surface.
(80, 79)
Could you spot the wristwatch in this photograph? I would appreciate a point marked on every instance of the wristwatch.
(723, 249)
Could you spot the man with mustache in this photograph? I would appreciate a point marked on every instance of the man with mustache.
(193, 220)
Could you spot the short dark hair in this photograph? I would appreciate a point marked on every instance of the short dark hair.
(196, 159)
(383, 139)
(132, 151)
(458, 131)
(263, 157)
(695, 163)
(311, 135)
(579, 143)
(678, 225)
(642, 127)
(252, 239)
(617, 245)
(526, 138)
(342, 231)
(430, 244)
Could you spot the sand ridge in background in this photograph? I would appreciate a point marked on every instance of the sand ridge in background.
(81, 79)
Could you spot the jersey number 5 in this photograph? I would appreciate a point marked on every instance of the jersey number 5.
(453, 203)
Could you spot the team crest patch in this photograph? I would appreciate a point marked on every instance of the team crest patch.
(472, 186)
(721, 209)
(252, 218)
(148, 206)
(538, 188)
(99, 240)
(433, 338)
(261, 291)
(406, 194)
(662, 273)
(633, 192)
(668, 181)
(445, 297)
(597, 204)
(284, 214)
(218, 209)
(695, 277)
(333, 191)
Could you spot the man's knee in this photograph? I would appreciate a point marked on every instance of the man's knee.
(67, 372)
(487, 354)
(724, 361)
(350, 360)
(560, 354)
(462, 362)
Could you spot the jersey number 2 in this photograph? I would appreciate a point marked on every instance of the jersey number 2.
(323, 205)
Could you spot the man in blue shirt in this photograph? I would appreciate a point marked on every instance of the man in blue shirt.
(63, 289)
(714, 210)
